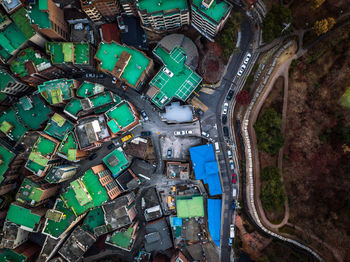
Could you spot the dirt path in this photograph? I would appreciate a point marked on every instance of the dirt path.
(282, 70)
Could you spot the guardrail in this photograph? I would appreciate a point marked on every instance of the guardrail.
(249, 162)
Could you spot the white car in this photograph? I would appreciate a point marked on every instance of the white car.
(241, 70)
(189, 132)
(205, 134)
(179, 133)
(224, 112)
(229, 154)
(232, 166)
(247, 58)
(168, 72)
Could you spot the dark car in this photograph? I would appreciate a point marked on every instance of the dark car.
(233, 205)
(225, 129)
(93, 156)
(224, 119)
(146, 133)
(111, 146)
(144, 115)
(229, 95)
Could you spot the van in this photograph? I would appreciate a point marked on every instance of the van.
(232, 231)
(234, 192)
(217, 148)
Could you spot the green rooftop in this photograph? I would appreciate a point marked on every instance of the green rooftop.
(109, 54)
(216, 11)
(11, 38)
(17, 66)
(87, 89)
(11, 255)
(122, 239)
(58, 90)
(23, 216)
(68, 143)
(73, 107)
(85, 193)
(58, 126)
(156, 6)
(42, 151)
(38, 16)
(29, 193)
(32, 111)
(20, 19)
(5, 79)
(181, 85)
(120, 117)
(190, 206)
(63, 52)
(116, 161)
(56, 228)
(11, 126)
(6, 157)
(93, 219)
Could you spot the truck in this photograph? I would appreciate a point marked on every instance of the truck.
(234, 192)
(232, 231)
(217, 148)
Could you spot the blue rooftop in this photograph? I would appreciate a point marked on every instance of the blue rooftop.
(206, 168)
(214, 219)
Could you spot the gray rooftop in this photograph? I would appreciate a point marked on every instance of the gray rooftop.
(173, 40)
(157, 236)
(77, 244)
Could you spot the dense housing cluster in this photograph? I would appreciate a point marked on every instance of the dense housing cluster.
(78, 171)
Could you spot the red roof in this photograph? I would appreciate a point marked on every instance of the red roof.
(110, 33)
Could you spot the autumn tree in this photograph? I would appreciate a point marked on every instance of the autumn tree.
(243, 97)
(324, 25)
(316, 3)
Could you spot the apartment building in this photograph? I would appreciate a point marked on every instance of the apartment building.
(129, 7)
(9, 85)
(160, 15)
(209, 16)
(47, 18)
(98, 10)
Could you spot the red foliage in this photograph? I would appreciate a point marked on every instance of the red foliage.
(243, 97)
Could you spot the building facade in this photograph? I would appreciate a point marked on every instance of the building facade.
(209, 16)
(98, 10)
(129, 7)
(47, 18)
(158, 15)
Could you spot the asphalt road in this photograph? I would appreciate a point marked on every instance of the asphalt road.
(211, 120)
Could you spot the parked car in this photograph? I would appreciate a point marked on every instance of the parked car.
(144, 115)
(232, 166)
(225, 108)
(230, 242)
(232, 231)
(111, 146)
(168, 72)
(229, 154)
(226, 133)
(179, 133)
(93, 156)
(205, 134)
(229, 95)
(127, 137)
(234, 178)
(241, 70)
(246, 60)
(169, 153)
(189, 132)
(224, 119)
(146, 133)
(233, 205)
(114, 80)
